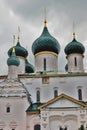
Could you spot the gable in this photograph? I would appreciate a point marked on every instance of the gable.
(63, 101)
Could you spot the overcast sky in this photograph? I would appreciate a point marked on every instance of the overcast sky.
(29, 15)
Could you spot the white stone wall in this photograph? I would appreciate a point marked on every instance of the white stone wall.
(21, 67)
(32, 120)
(71, 63)
(53, 119)
(51, 62)
(68, 85)
(16, 118)
(12, 71)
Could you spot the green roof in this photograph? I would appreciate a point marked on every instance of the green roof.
(19, 50)
(13, 60)
(33, 107)
(66, 67)
(28, 67)
(74, 47)
(45, 42)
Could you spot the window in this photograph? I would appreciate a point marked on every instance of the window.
(13, 129)
(44, 64)
(63, 128)
(8, 109)
(79, 94)
(55, 93)
(1, 129)
(37, 127)
(75, 61)
(38, 95)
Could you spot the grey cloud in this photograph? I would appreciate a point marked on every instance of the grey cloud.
(30, 14)
(75, 9)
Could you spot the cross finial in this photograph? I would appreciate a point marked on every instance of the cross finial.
(13, 50)
(18, 33)
(45, 22)
(13, 40)
(73, 30)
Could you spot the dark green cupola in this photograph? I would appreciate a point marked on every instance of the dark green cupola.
(74, 47)
(13, 60)
(45, 42)
(28, 67)
(19, 50)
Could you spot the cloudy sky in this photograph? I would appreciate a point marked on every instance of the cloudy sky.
(29, 15)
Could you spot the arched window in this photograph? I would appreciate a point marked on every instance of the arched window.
(44, 64)
(38, 95)
(75, 60)
(55, 93)
(37, 127)
(8, 109)
(79, 94)
(63, 128)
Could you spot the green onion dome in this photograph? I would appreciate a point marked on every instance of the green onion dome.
(45, 42)
(13, 60)
(28, 67)
(19, 50)
(74, 47)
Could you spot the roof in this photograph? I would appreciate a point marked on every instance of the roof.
(33, 108)
(62, 96)
(19, 50)
(74, 47)
(28, 67)
(13, 60)
(45, 42)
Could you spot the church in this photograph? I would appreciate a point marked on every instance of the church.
(39, 97)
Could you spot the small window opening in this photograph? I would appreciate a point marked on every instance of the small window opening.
(44, 64)
(38, 95)
(80, 94)
(8, 109)
(75, 61)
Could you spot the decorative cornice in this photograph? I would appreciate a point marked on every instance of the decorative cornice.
(46, 52)
(31, 113)
(35, 75)
(21, 57)
(51, 75)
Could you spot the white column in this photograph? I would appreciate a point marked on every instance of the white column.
(12, 71)
(21, 67)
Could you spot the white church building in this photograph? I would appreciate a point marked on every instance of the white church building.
(39, 97)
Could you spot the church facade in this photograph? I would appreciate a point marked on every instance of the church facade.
(40, 98)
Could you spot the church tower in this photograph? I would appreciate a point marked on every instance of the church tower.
(13, 63)
(46, 49)
(74, 51)
(21, 54)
